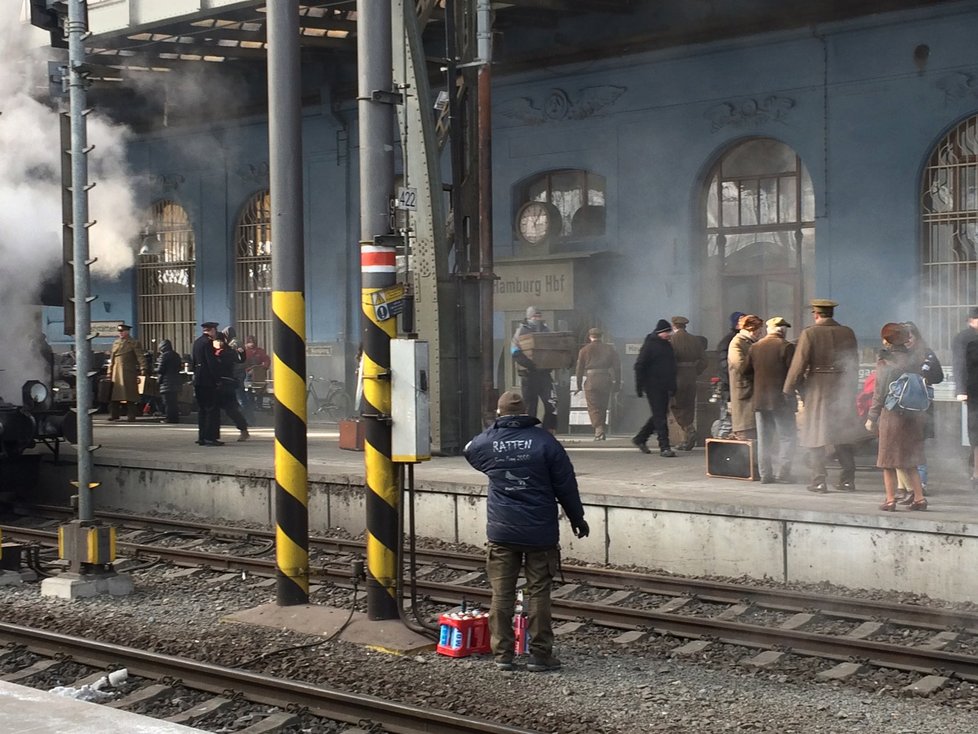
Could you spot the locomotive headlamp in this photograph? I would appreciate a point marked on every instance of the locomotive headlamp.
(35, 393)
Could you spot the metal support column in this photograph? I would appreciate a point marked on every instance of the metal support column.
(288, 304)
(378, 270)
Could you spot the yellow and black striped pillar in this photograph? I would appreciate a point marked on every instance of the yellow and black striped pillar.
(291, 460)
(288, 304)
(378, 270)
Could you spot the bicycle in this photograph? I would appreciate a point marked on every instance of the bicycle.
(336, 405)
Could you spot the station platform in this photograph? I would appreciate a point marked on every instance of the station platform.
(645, 510)
(31, 711)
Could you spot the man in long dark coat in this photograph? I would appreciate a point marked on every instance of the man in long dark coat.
(769, 360)
(825, 370)
(207, 371)
(655, 378)
(690, 361)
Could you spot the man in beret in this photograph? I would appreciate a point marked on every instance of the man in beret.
(655, 378)
(529, 475)
(126, 363)
(207, 373)
(690, 362)
(536, 383)
(599, 361)
(774, 413)
(825, 371)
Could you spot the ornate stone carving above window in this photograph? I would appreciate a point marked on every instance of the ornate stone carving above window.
(749, 112)
(254, 172)
(559, 105)
(168, 182)
(958, 85)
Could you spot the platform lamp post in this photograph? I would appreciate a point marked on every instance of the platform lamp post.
(375, 107)
(87, 545)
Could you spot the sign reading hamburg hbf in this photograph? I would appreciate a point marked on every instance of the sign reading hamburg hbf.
(549, 286)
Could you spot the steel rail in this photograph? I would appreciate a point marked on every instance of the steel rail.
(257, 688)
(738, 633)
(707, 591)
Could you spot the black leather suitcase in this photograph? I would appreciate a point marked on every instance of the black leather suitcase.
(730, 459)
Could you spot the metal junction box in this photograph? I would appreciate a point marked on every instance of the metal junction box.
(410, 409)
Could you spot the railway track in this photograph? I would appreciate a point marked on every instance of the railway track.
(923, 640)
(161, 673)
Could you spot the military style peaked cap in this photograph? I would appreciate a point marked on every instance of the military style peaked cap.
(824, 303)
(680, 320)
(209, 325)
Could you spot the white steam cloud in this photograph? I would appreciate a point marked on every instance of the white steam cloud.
(30, 196)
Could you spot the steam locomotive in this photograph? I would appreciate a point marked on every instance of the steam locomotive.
(36, 420)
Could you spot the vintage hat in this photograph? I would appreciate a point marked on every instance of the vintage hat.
(594, 332)
(777, 321)
(532, 311)
(511, 403)
(734, 318)
(680, 320)
(895, 334)
(209, 325)
(819, 304)
(124, 327)
(662, 326)
(973, 312)
(750, 322)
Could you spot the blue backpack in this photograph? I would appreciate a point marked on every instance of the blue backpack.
(908, 392)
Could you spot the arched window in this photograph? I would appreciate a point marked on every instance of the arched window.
(760, 230)
(949, 212)
(253, 270)
(166, 279)
(560, 206)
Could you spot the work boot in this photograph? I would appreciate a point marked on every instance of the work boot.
(818, 487)
(542, 664)
(641, 445)
(504, 662)
(667, 453)
(131, 412)
(847, 486)
(114, 410)
(244, 435)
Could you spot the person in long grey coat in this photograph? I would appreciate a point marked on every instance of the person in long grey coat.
(825, 371)
(126, 363)
(741, 380)
(774, 412)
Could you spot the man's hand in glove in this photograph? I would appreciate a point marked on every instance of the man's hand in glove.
(580, 529)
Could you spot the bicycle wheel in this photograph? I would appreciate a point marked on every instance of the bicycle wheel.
(339, 407)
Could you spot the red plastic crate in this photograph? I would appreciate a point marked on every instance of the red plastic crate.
(463, 634)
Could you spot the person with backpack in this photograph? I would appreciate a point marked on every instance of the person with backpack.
(898, 413)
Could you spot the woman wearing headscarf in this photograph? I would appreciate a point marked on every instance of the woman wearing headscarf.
(901, 432)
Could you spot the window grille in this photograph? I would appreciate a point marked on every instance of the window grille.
(253, 270)
(760, 231)
(166, 279)
(949, 214)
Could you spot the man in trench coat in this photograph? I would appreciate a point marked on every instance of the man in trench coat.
(126, 363)
(825, 371)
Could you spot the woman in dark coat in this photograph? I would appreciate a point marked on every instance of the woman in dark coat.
(168, 371)
(901, 433)
(927, 363)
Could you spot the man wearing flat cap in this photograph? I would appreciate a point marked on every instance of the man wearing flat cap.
(207, 374)
(741, 379)
(690, 353)
(536, 383)
(600, 363)
(529, 475)
(774, 413)
(825, 371)
(655, 378)
(126, 363)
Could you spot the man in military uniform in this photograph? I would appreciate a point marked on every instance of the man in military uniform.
(535, 383)
(207, 374)
(126, 363)
(825, 371)
(690, 362)
(769, 360)
(599, 361)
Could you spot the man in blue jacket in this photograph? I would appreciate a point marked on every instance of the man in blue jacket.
(529, 474)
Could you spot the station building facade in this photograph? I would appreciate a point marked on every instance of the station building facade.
(748, 174)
